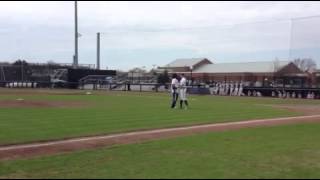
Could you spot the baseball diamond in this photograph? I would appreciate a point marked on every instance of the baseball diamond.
(159, 90)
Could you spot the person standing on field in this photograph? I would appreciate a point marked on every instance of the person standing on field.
(183, 92)
(174, 90)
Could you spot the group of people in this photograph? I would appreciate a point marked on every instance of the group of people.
(311, 95)
(179, 91)
(283, 94)
(254, 93)
(227, 89)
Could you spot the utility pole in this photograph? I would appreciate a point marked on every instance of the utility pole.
(98, 50)
(76, 35)
(191, 68)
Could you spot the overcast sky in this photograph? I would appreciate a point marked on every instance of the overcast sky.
(137, 34)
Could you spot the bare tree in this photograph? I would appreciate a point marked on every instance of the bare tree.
(276, 64)
(306, 64)
(51, 62)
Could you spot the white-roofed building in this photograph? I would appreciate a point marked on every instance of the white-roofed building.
(264, 73)
(186, 65)
(248, 67)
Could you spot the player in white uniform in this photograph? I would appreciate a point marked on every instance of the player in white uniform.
(174, 90)
(183, 91)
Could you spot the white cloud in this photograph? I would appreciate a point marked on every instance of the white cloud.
(31, 13)
(44, 30)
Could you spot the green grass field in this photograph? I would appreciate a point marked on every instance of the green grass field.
(291, 151)
(120, 111)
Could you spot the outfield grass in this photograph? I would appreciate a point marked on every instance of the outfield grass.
(120, 111)
(291, 151)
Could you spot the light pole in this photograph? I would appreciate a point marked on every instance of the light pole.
(76, 35)
(98, 50)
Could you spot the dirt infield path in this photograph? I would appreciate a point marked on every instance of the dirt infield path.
(76, 144)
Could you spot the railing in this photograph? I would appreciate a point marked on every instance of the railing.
(35, 84)
(285, 92)
(93, 77)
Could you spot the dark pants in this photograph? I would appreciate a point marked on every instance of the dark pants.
(175, 96)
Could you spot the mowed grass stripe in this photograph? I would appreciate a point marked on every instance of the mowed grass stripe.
(71, 113)
(257, 153)
(132, 116)
(124, 118)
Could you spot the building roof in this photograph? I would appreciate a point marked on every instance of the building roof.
(250, 67)
(185, 62)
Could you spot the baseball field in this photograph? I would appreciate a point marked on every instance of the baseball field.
(75, 134)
